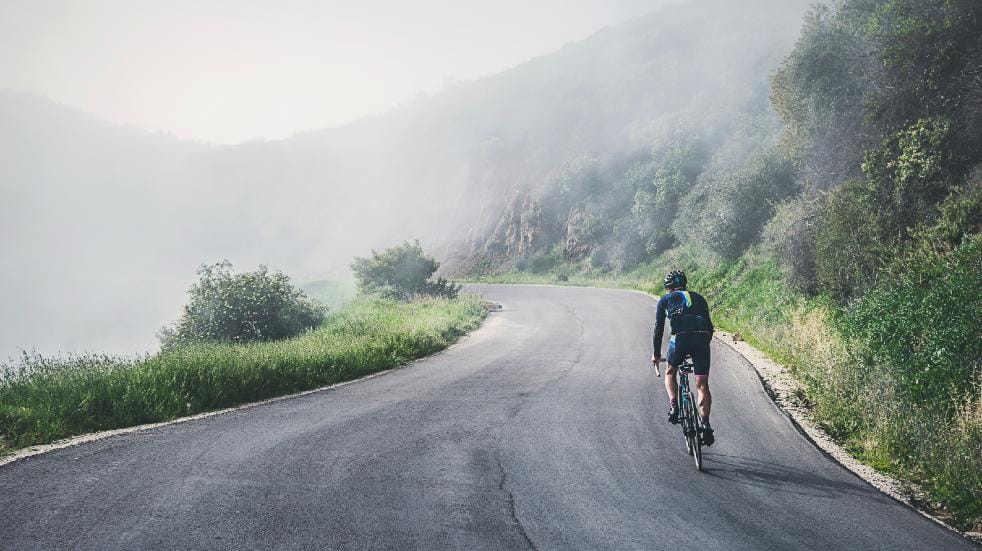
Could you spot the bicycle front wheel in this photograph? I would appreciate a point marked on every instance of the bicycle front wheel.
(694, 443)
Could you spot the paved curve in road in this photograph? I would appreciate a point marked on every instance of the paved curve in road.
(543, 429)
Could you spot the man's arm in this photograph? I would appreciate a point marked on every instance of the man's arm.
(659, 327)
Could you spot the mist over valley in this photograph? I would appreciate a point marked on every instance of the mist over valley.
(106, 224)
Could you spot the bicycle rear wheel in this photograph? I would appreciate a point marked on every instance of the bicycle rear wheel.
(684, 422)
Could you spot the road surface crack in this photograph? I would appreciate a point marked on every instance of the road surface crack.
(512, 509)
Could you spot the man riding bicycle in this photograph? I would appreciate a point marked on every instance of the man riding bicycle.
(692, 331)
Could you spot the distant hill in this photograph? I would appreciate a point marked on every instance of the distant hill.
(108, 223)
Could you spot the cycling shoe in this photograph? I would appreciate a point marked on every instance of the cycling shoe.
(708, 438)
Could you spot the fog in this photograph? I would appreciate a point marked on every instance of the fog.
(104, 222)
(231, 71)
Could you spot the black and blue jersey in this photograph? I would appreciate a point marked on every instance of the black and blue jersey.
(688, 312)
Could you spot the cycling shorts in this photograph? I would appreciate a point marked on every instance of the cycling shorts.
(695, 345)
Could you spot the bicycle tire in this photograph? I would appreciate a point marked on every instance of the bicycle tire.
(694, 434)
(686, 429)
(696, 444)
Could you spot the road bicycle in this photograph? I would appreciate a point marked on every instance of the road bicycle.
(688, 418)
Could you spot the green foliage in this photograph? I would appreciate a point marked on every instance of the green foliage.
(660, 185)
(930, 54)
(790, 239)
(960, 217)
(925, 325)
(251, 306)
(866, 223)
(42, 400)
(920, 333)
(854, 241)
(906, 171)
(541, 262)
(401, 272)
(819, 94)
(726, 212)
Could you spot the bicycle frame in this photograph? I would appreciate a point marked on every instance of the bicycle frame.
(688, 413)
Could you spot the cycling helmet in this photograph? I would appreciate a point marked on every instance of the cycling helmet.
(675, 279)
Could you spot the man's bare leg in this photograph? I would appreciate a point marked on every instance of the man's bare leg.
(705, 397)
(671, 385)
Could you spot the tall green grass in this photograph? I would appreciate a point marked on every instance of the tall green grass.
(42, 400)
(895, 377)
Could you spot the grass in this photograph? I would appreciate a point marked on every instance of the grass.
(860, 388)
(43, 400)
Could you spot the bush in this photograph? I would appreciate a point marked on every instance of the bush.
(907, 171)
(853, 242)
(401, 272)
(251, 306)
(789, 238)
(660, 185)
(541, 262)
(925, 324)
(726, 212)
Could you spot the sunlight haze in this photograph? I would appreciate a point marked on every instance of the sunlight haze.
(227, 72)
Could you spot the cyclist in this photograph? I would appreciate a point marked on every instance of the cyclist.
(692, 331)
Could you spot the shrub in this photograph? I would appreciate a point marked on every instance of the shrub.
(541, 262)
(599, 258)
(853, 242)
(660, 185)
(401, 272)
(925, 323)
(726, 212)
(250, 306)
(907, 171)
(789, 238)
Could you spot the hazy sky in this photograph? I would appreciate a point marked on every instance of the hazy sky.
(227, 71)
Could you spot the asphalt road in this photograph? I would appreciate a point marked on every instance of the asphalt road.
(545, 428)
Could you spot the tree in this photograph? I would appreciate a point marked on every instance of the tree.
(727, 211)
(401, 272)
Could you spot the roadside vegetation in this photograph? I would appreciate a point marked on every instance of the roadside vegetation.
(402, 272)
(838, 230)
(214, 360)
